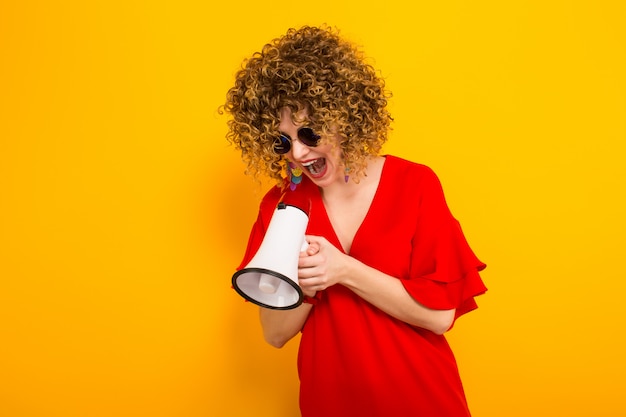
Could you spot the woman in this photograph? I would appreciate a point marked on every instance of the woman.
(387, 270)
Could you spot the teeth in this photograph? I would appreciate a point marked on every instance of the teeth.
(316, 166)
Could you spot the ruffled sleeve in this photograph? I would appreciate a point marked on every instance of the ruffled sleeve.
(444, 271)
(266, 211)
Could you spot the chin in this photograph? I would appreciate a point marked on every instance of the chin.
(326, 180)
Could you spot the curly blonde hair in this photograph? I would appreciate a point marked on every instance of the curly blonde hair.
(309, 68)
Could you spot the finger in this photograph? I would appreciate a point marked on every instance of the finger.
(307, 273)
(313, 249)
(307, 283)
(305, 262)
(314, 240)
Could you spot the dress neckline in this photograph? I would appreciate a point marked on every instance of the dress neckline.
(372, 206)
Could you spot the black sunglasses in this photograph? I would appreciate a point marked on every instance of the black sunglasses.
(306, 135)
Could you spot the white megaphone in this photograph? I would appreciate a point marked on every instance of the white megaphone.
(270, 279)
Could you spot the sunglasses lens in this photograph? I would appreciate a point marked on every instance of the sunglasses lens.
(282, 144)
(307, 136)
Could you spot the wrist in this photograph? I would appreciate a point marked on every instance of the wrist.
(350, 272)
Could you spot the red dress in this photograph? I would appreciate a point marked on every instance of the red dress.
(354, 359)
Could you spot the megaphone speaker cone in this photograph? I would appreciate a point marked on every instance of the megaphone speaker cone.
(270, 279)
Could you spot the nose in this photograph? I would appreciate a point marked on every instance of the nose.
(298, 150)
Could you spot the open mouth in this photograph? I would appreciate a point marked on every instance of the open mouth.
(315, 167)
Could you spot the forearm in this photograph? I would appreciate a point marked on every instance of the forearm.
(280, 326)
(388, 294)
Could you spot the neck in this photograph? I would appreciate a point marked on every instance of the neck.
(346, 190)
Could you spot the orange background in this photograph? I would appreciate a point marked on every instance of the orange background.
(123, 211)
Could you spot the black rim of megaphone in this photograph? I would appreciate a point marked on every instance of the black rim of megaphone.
(268, 272)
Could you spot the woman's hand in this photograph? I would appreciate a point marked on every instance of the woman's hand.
(320, 266)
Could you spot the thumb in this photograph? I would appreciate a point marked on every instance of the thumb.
(314, 245)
